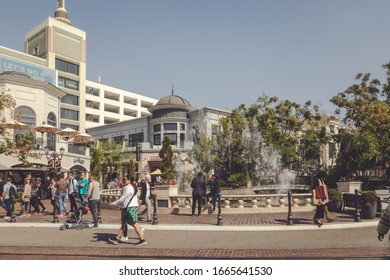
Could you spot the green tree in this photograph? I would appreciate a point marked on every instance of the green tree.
(166, 154)
(365, 141)
(97, 158)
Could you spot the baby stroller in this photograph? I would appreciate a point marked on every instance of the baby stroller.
(76, 219)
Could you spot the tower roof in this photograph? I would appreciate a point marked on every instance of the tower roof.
(60, 13)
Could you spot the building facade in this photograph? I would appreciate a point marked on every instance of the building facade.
(54, 66)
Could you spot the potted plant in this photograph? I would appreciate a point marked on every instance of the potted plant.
(369, 204)
(335, 200)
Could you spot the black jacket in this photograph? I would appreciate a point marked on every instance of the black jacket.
(198, 186)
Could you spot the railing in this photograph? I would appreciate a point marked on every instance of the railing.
(234, 202)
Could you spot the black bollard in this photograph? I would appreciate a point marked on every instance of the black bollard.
(357, 206)
(289, 216)
(155, 217)
(219, 217)
(99, 214)
(13, 216)
(55, 217)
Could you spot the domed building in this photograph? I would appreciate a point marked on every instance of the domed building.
(172, 116)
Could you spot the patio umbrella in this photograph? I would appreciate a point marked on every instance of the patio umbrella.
(17, 125)
(67, 133)
(46, 128)
(156, 172)
(82, 138)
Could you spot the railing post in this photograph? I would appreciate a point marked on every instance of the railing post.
(13, 216)
(99, 214)
(357, 206)
(55, 217)
(289, 216)
(155, 217)
(219, 217)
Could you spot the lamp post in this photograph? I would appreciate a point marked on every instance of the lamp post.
(56, 157)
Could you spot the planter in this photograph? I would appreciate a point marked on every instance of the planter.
(349, 187)
(368, 212)
(335, 205)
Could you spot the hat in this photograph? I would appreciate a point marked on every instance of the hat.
(38, 179)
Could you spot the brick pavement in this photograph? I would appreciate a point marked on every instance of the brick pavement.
(111, 216)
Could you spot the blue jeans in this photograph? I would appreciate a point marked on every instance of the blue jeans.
(61, 202)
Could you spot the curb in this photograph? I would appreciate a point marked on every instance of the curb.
(190, 227)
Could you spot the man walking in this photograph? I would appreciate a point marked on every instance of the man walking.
(93, 196)
(72, 192)
(198, 186)
(9, 191)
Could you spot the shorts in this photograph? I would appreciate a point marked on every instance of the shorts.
(131, 214)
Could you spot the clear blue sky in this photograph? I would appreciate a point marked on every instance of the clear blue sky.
(221, 53)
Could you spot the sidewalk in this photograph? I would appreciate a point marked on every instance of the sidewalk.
(111, 218)
(242, 236)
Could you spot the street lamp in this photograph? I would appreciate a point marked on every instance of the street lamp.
(56, 157)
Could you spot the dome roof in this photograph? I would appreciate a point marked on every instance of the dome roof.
(173, 100)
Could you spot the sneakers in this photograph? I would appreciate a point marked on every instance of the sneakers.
(95, 227)
(60, 215)
(141, 243)
(113, 241)
(124, 238)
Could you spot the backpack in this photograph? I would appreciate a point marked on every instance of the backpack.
(12, 191)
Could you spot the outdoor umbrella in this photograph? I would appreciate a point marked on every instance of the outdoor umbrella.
(46, 128)
(156, 172)
(67, 133)
(82, 138)
(17, 125)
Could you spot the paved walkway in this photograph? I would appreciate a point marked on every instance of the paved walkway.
(242, 236)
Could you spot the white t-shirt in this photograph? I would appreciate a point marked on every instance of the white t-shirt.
(127, 193)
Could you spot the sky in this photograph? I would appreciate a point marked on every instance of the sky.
(221, 53)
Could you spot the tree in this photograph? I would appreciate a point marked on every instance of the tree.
(97, 157)
(166, 154)
(365, 141)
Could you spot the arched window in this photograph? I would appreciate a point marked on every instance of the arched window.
(51, 137)
(27, 116)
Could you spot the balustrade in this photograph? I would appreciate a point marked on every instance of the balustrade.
(255, 201)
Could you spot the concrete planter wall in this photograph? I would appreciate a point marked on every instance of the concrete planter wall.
(349, 187)
(164, 192)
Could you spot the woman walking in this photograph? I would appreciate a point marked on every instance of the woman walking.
(26, 196)
(128, 202)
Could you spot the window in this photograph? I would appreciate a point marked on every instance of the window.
(157, 139)
(92, 104)
(27, 116)
(69, 114)
(64, 125)
(157, 128)
(135, 139)
(170, 126)
(331, 128)
(172, 138)
(182, 140)
(35, 51)
(182, 127)
(70, 99)
(68, 67)
(67, 83)
(92, 118)
(92, 91)
(332, 150)
(118, 139)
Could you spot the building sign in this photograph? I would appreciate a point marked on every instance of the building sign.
(36, 72)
